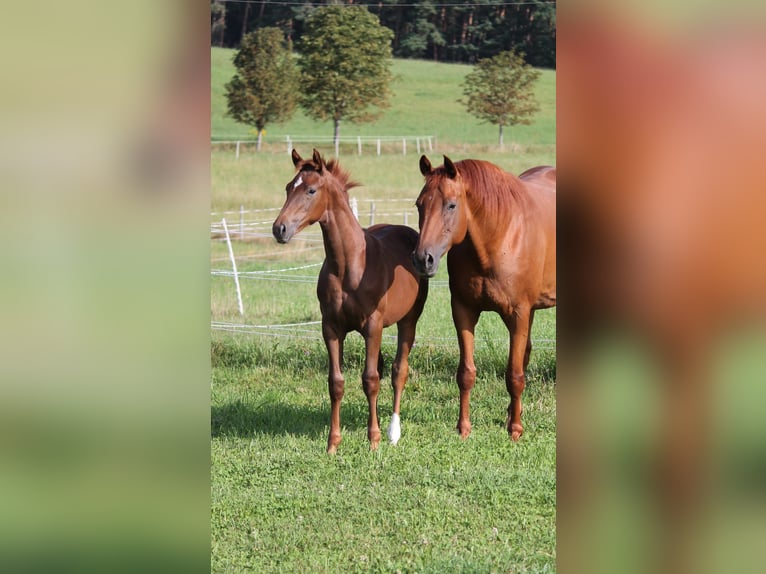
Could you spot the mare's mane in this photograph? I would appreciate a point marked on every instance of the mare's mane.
(490, 190)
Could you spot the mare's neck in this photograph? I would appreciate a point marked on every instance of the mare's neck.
(344, 241)
(491, 227)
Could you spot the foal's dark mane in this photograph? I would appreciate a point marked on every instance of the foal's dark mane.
(334, 168)
(490, 190)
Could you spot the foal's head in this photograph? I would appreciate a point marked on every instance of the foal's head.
(442, 215)
(309, 194)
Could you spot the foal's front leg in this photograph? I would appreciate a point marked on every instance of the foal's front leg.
(335, 382)
(399, 373)
(371, 381)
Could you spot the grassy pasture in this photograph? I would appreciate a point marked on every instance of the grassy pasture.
(424, 103)
(433, 503)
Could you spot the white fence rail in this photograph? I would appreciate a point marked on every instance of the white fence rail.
(379, 143)
(256, 223)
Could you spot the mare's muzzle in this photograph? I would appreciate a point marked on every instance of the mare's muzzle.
(425, 262)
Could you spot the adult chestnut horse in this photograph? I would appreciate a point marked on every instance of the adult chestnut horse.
(367, 282)
(500, 231)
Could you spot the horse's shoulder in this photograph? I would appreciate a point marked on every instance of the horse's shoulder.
(390, 232)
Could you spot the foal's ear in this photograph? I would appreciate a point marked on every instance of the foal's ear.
(318, 160)
(450, 168)
(425, 165)
(296, 158)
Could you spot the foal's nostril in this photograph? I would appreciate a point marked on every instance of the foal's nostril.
(279, 232)
(429, 260)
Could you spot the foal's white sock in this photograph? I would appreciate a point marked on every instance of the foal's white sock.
(394, 429)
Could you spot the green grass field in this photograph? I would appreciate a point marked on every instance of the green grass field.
(433, 503)
(424, 103)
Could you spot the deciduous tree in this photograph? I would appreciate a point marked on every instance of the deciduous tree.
(263, 90)
(500, 91)
(345, 66)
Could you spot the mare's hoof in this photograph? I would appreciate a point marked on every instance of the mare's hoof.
(515, 432)
(464, 430)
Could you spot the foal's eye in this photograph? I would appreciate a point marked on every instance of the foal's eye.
(312, 190)
(451, 205)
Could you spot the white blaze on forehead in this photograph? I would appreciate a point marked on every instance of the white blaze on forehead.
(297, 182)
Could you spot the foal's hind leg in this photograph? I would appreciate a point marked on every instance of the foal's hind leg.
(399, 372)
(371, 381)
(519, 326)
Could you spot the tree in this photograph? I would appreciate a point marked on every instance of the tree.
(345, 66)
(264, 88)
(500, 91)
(217, 22)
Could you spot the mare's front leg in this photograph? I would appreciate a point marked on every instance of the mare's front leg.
(465, 320)
(371, 379)
(399, 373)
(334, 342)
(519, 326)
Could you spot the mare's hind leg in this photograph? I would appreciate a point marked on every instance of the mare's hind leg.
(528, 350)
(465, 320)
(334, 343)
(519, 326)
(399, 372)
(371, 381)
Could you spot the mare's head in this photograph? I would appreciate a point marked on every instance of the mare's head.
(442, 214)
(309, 194)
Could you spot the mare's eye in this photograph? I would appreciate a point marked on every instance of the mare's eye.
(451, 205)
(311, 190)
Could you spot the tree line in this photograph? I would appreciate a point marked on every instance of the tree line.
(445, 31)
(343, 74)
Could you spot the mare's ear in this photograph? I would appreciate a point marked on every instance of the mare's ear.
(296, 158)
(318, 160)
(450, 168)
(425, 165)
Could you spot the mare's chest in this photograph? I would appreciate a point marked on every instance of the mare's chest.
(488, 289)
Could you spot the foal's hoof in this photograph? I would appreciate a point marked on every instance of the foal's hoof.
(332, 444)
(394, 429)
(515, 432)
(373, 435)
(464, 430)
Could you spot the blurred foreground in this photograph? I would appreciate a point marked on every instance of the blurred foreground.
(104, 369)
(662, 220)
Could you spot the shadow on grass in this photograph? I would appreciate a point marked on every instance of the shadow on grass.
(278, 419)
